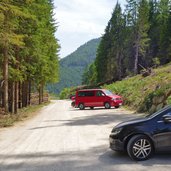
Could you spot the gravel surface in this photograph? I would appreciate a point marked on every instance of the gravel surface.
(61, 138)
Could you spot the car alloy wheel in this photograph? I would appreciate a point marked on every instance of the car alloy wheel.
(139, 147)
(107, 105)
(81, 106)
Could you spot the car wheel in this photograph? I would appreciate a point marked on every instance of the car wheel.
(107, 105)
(73, 104)
(92, 108)
(140, 147)
(81, 106)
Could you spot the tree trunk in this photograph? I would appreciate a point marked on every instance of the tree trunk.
(39, 94)
(16, 97)
(42, 91)
(25, 94)
(20, 95)
(5, 77)
(136, 56)
(119, 58)
(29, 93)
(12, 96)
(16, 105)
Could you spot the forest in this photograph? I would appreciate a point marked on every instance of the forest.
(72, 66)
(136, 38)
(28, 51)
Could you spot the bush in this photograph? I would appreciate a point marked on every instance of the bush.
(66, 93)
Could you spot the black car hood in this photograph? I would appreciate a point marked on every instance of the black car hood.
(133, 121)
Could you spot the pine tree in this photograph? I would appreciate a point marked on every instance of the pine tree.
(118, 26)
(153, 31)
(24, 25)
(138, 21)
(8, 38)
(143, 29)
(101, 58)
(163, 20)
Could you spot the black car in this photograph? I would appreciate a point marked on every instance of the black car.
(140, 138)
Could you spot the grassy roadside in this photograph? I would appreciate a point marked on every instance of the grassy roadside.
(23, 114)
(137, 91)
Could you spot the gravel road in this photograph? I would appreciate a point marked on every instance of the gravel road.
(61, 138)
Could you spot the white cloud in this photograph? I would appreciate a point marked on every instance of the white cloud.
(81, 20)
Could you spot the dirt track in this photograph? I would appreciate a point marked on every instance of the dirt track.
(61, 138)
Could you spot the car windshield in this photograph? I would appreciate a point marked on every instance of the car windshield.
(107, 92)
(158, 112)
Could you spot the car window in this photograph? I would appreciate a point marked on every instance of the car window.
(169, 113)
(85, 93)
(89, 93)
(108, 93)
(99, 93)
(160, 112)
(160, 118)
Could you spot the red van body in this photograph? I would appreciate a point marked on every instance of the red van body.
(97, 98)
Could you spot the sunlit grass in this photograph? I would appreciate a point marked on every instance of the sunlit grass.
(134, 90)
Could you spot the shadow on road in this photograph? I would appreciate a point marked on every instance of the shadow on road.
(94, 159)
(98, 119)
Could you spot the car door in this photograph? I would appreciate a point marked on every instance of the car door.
(89, 98)
(99, 98)
(163, 132)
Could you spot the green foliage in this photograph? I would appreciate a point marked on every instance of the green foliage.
(90, 75)
(156, 62)
(148, 101)
(138, 91)
(169, 100)
(28, 47)
(28, 24)
(65, 93)
(73, 66)
(138, 38)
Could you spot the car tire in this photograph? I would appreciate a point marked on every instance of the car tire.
(107, 105)
(73, 104)
(81, 106)
(140, 148)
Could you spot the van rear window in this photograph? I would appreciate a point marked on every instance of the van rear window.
(85, 93)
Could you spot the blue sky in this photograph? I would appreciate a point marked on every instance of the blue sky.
(80, 21)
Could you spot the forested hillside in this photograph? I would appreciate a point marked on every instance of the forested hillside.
(72, 66)
(138, 37)
(28, 51)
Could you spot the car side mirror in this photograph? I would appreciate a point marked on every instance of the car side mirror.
(167, 118)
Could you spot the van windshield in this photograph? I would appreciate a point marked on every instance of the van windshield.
(108, 93)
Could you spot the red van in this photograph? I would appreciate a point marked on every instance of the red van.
(96, 98)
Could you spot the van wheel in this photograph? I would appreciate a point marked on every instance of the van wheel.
(107, 105)
(140, 147)
(73, 104)
(81, 106)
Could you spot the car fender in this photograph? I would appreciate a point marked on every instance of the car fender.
(127, 138)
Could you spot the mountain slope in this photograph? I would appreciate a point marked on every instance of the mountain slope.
(145, 93)
(73, 66)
